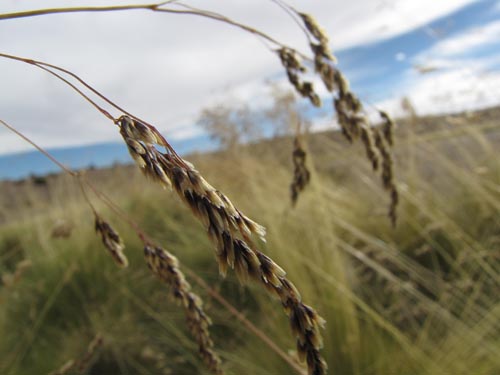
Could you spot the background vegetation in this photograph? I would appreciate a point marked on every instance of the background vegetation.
(418, 299)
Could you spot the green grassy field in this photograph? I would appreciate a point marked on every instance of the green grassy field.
(418, 299)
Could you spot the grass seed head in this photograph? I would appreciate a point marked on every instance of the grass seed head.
(135, 129)
(294, 68)
(301, 174)
(387, 173)
(111, 240)
(314, 28)
(231, 233)
(387, 127)
(166, 267)
(371, 151)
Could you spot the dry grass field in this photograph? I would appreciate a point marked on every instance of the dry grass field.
(420, 298)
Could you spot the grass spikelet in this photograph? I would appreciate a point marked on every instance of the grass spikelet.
(301, 175)
(166, 267)
(314, 28)
(387, 173)
(141, 132)
(371, 152)
(387, 127)
(324, 68)
(138, 136)
(294, 68)
(353, 123)
(323, 58)
(230, 231)
(111, 240)
(305, 323)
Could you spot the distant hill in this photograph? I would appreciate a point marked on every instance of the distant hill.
(21, 165)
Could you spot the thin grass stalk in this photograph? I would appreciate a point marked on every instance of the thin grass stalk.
(155, 7)
(81, 364)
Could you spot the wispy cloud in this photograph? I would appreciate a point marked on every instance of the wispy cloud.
(467, 41)
(449, 91)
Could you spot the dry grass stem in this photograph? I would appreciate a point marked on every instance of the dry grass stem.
(230, 231)
(65, 368)
(166, 267)
(92, 349)
(111, 240)
(301, 174)
(81, 365)
(9, 279)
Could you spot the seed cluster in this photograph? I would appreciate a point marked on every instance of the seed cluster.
(230, 231)
(294, 67)
(111, 240)
(166, 267)
(301, 175)
(323, 58)
(352, 121)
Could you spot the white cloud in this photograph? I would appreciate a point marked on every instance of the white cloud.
(457, 79)
(448, 91)
(466, 41)
(164, 68)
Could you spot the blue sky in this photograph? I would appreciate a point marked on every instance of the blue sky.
(389, 69)
(443, 56)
